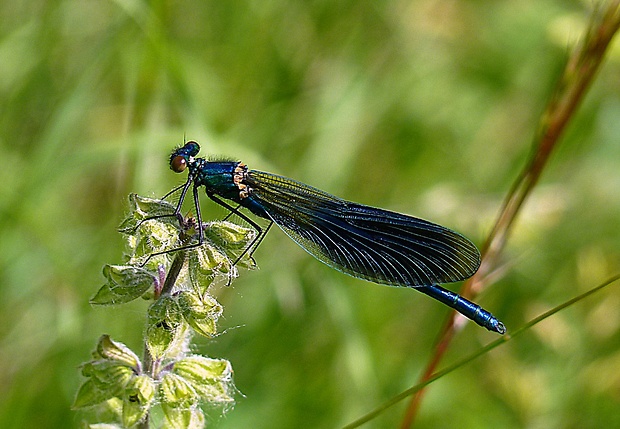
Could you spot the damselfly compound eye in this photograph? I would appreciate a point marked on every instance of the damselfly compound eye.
(178, 164)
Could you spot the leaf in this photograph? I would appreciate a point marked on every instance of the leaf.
(89, 395)
(138, 398)
(165, 327)
(125, 283)
(141, 208)
(113, 350)
(210, 378)
(201, 313)
(176, 392)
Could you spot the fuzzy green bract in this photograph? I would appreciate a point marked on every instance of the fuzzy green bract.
(178, 284)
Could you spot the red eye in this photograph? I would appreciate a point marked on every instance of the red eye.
(178, 164)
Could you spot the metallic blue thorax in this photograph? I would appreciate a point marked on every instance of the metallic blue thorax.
(226, 179)
(217, 177)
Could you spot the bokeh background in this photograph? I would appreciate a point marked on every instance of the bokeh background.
(426, 107)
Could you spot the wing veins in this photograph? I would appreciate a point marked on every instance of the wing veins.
(439, 256)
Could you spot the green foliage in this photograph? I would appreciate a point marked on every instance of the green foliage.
(125, 283)
(168, 375)
(424, 107)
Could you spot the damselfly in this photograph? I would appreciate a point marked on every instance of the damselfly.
(365, 242)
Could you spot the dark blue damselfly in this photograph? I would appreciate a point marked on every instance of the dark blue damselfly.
(365, 242)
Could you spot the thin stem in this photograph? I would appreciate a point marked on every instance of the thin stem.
(151, 366)
(502, 340)
(578, 74)
(173, 273)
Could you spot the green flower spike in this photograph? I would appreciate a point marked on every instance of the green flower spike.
(117, 382)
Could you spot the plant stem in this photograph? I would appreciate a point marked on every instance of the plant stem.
(151, 366)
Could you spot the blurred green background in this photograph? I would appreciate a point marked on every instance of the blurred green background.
(424, 107)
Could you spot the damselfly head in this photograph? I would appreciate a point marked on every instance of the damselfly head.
(183, 155)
